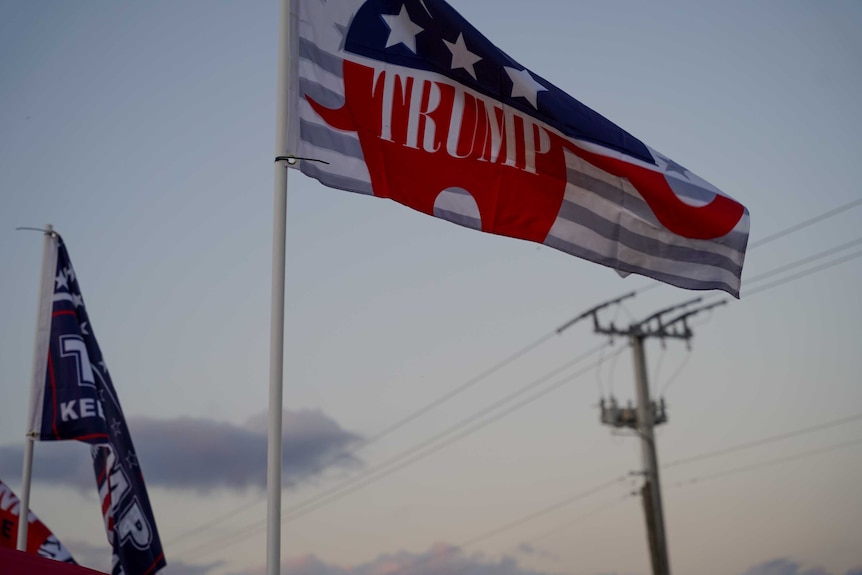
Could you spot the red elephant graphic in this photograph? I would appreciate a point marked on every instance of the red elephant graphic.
(421, 135)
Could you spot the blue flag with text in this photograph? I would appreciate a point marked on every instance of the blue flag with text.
(74, 398)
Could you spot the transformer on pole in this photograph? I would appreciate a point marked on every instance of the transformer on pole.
(648, 413)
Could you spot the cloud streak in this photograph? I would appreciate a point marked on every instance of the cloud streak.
(201, 454)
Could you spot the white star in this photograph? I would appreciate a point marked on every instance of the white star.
(524, 85)
(671, 166)
(103, 366)
(62, 281)
(117, 428)
(402, 30)
(77, 300)
(461, 56)
(70, 273)
(84, 329)
(132, 459)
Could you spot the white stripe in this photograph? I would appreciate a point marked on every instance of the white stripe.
(632, 222)
(338, 163)
(579, 196)
(579, 235)
(576, 234)
(689, 270)
(309, 71)
(642, 228)
(458, 203)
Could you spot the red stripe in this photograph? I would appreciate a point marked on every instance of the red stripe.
(90, 436)
(155, 563)
(63, 312)
(102, 475)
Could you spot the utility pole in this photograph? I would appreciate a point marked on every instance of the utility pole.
(648, 413)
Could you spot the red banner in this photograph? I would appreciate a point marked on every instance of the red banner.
(40, 540)
(18, 563)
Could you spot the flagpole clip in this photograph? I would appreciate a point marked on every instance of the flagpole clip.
(291, 159)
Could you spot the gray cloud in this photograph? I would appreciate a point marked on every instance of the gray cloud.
(784, 566)
(441, 559)
(531, 550)
(69, 464)
(200, 454)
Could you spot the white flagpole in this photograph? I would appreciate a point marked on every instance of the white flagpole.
(24, 509)
(27, 474)
(276, 342)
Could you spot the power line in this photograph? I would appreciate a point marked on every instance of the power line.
(764, 441)
(798, 263)
(805, 260)
(544, 511)
(770, 463)
(344, 490)
(428, 446)
(698, 457)
(675, 374)
(409, 418)
(419, 451)
(613, 362)
(517, 522)
(452, 549)
(580, 518)
(696, 480)
(530, 347)
(402, 460)
(826, 425)
(600, 487)
(333, 494)
(612, 369)
(805, 224)
(779, 234)
(803, 274)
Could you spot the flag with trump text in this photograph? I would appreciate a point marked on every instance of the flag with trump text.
(74, 398)
(405, 99)
(40, 540)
